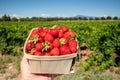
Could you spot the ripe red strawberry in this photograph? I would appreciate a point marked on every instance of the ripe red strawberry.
(67, 35)
(56, 43)
(73, 49)
(42, 34)
(32, 36)
(37, 53)
(29, 46)
(40, 29)
(47, 29)
(73, 46)
(33, 33)
(49, 37)
(54, 52)
(54, 32)
(64, 28)
(64, 50)
(47, 54)
(52, 42)
(58, 27)
(60, 34)
(39, 47)
(72, 34)
(41, 39)
(73, 43)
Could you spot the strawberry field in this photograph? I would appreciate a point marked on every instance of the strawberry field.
(102, 38)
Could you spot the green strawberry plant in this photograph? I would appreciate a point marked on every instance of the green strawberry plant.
(102, 37)
(104, 43)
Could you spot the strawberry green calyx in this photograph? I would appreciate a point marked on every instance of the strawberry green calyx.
(54, 26)
(62, 41)
(46, 45)
(34, 39)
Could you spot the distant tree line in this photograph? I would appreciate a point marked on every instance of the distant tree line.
(8, 18)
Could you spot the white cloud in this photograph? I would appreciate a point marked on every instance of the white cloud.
(14, 15)
(1, 15)
(45, 15)
(104, 15)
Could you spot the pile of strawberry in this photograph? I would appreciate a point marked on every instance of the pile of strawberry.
(51, 42)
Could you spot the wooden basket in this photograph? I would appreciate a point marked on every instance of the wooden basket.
(49, 64)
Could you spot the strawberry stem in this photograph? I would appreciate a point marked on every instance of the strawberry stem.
(62, 41)
(46, 45)
(35, 39)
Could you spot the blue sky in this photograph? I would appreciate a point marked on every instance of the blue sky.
(64, 8)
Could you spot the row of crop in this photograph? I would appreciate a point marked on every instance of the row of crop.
(104, 43)
(101, 37)
(11, 38)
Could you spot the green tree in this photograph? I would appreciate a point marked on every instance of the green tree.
(97, 18)
(27, 19)
(34, 18)
(102, 18)
(14, 19)
(80, 18)
(6, 18)
(90, 18)
(115, 18)
(0, 19)
(85, 18)
(108, 17)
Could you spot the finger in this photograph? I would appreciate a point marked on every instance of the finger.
(25, 72)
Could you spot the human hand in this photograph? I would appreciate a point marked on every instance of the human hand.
(27, 75)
